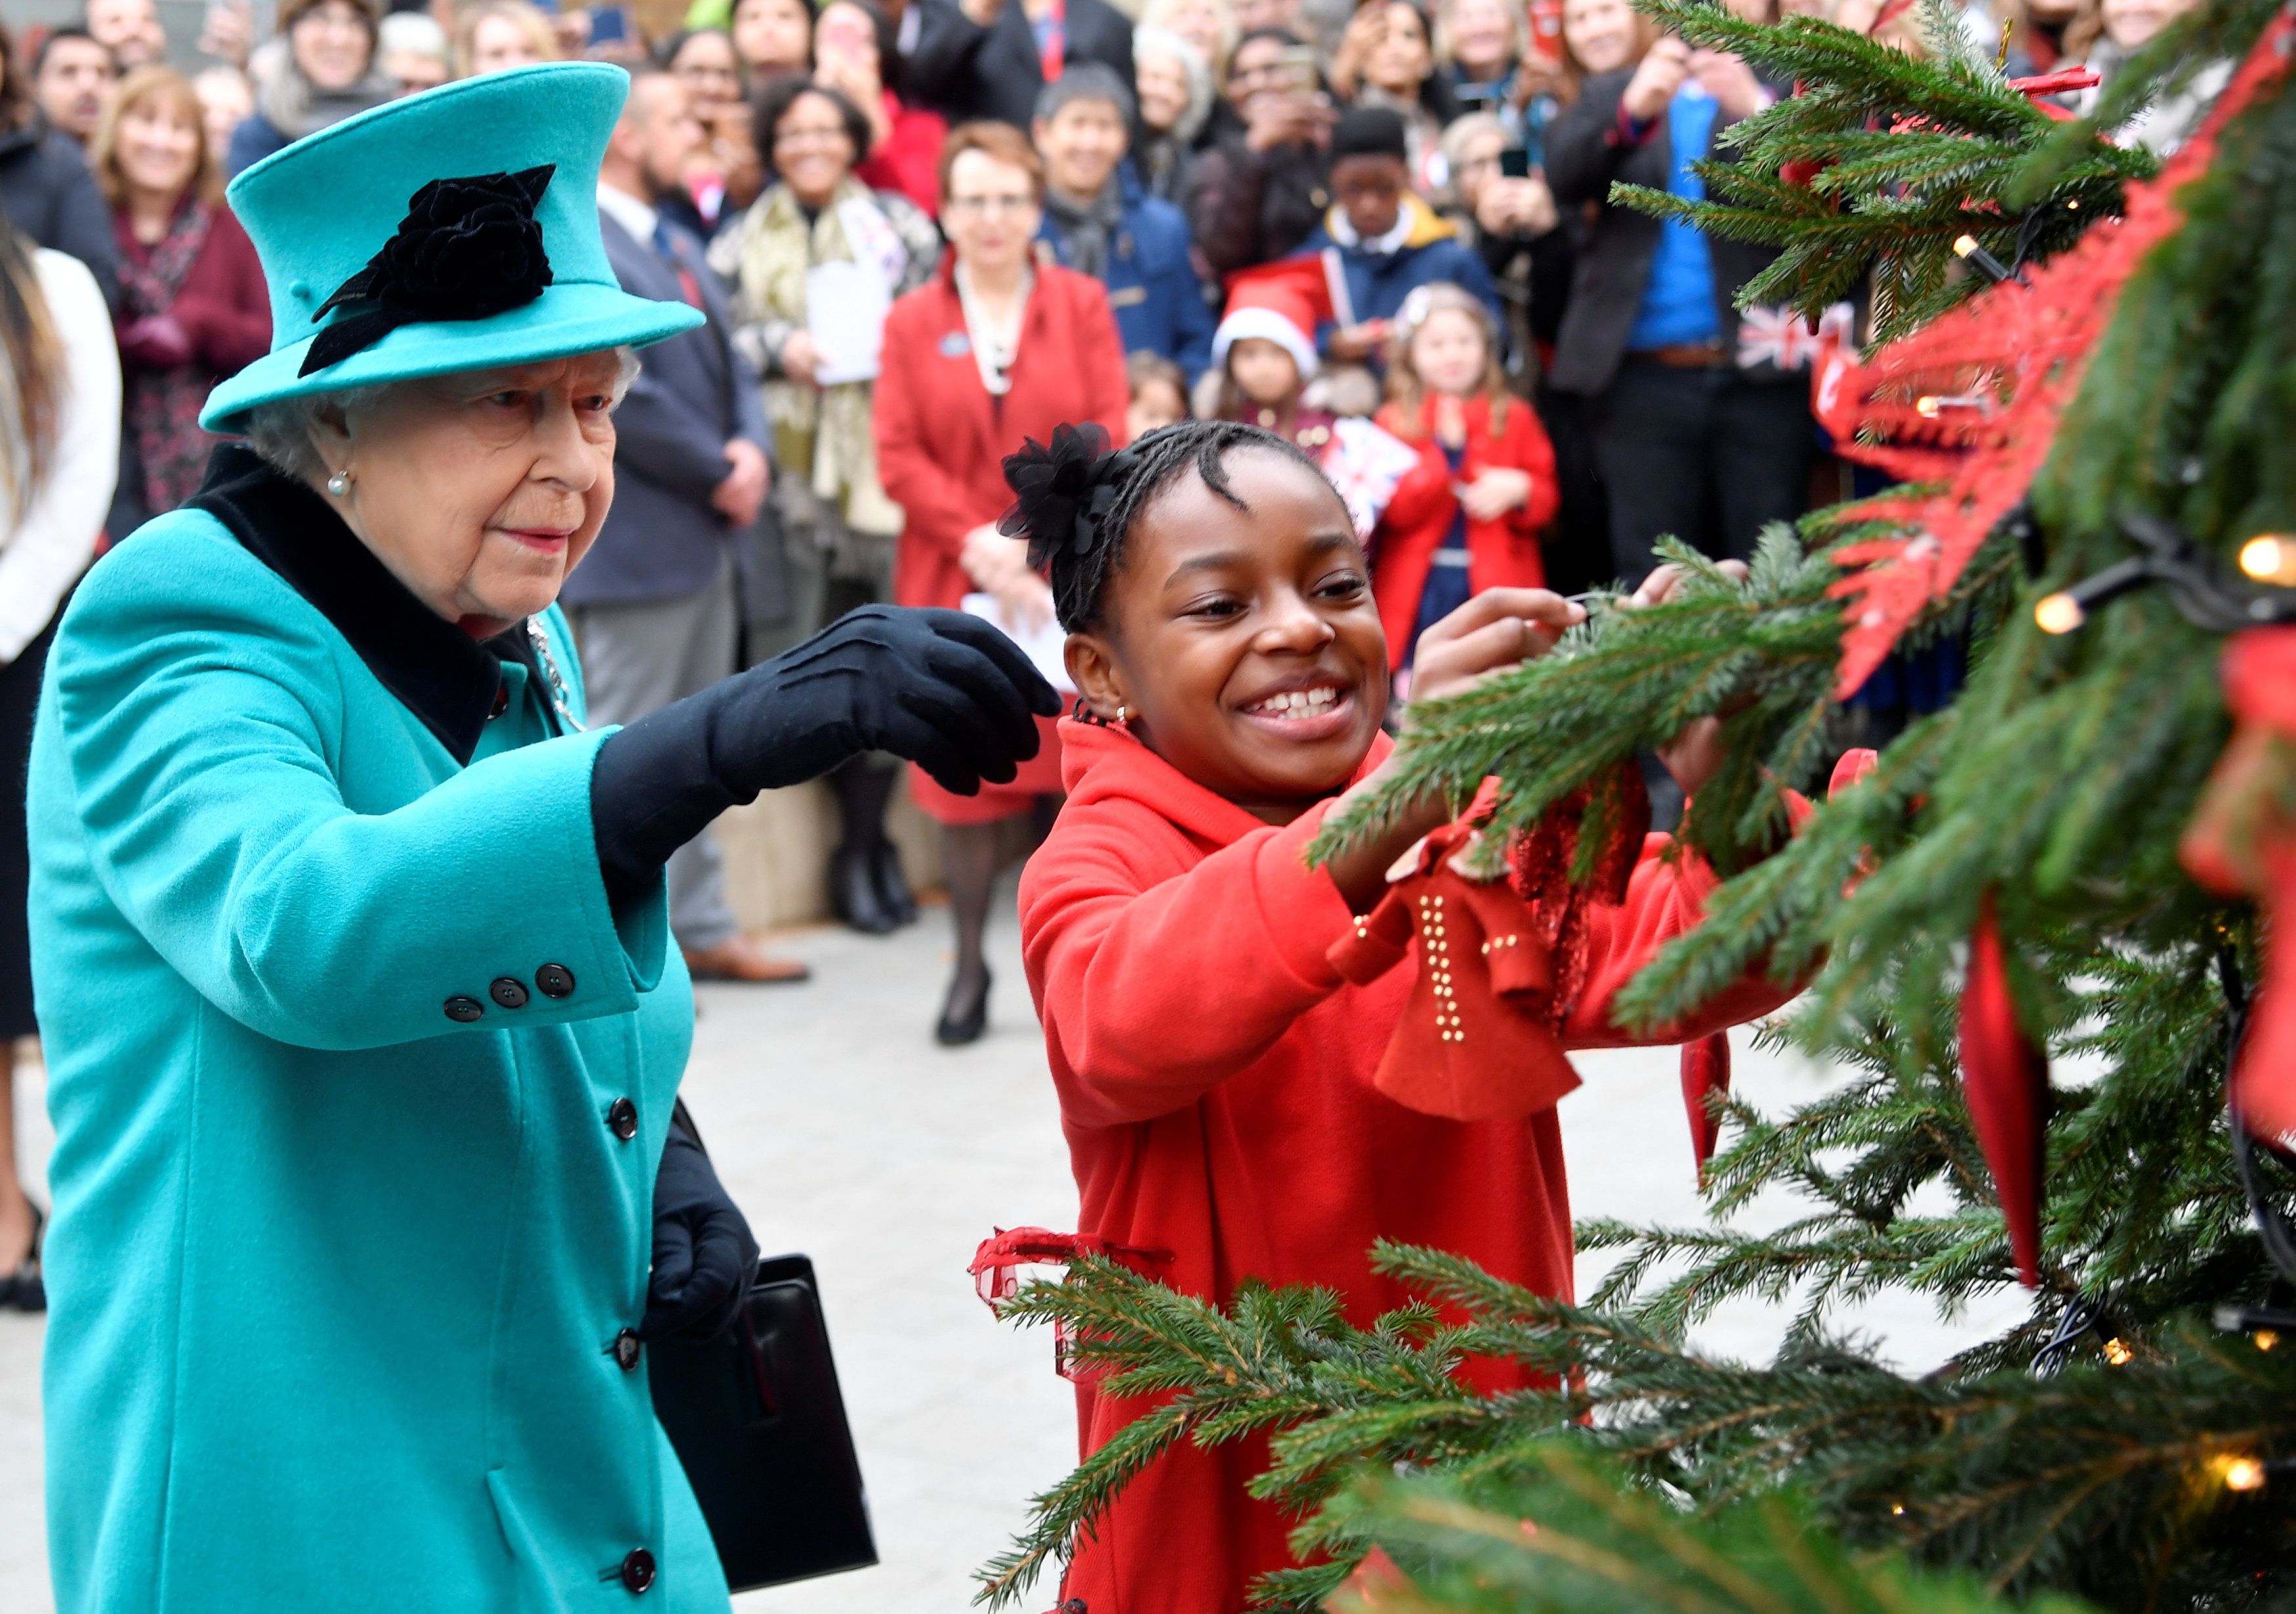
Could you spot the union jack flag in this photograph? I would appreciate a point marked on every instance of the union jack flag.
(1783, 338)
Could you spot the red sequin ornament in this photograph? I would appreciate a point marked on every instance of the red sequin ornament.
(1540, 861)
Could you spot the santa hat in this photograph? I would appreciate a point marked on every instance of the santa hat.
(1282, 303)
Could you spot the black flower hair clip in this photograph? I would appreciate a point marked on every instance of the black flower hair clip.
(1061, 494)
(468, 249)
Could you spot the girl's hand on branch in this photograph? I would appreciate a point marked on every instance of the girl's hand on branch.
(1696, 750)
(1499, 629)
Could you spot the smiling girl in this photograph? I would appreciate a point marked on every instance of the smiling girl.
(1214, 1071)
(1468, 517)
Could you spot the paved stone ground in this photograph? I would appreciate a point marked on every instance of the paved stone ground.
(846, 1133)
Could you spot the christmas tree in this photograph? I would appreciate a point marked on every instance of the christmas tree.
(2091, 396)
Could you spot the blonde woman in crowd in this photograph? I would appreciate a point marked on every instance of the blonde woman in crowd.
(193, 308)
(1208, 25)
(503, 34)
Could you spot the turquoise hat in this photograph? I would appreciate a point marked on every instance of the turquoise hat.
(453, 230)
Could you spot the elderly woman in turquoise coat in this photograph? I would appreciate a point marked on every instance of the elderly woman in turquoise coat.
(349, 940)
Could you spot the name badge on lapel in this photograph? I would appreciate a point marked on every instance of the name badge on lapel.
(1128, 297)
(955, 345)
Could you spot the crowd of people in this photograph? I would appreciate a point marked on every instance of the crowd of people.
(920, 232)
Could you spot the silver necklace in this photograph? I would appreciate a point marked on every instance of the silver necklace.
(541, 643)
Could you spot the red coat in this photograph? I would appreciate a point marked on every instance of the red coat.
(942, 439)
(1215, 1079)
(908, 159)
(1500, 554)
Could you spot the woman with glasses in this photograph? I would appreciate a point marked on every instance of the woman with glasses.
(995, 349)
(327, 72)
(1261, 190)
(837, 525)
(726, 174)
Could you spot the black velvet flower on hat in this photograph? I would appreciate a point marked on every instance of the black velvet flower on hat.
(468, 249)
(1061, 494)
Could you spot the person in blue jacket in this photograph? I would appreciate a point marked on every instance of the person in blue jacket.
(1388, 241)
(349, 942)
(1100, 221)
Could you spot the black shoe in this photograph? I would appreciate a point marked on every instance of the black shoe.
(893, 893)
(962, 1023)
(23, 1289)
(853, 893)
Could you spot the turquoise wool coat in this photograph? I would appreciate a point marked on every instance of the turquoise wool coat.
(336, 1279)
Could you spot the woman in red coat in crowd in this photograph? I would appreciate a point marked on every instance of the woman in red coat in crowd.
(193, 308)
(996, 349)
(1468, 517)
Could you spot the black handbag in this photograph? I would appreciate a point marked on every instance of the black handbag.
(757, 1420)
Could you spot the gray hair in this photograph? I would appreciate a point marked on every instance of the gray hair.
(1087, 81)
(282, 432)
(1474, 126)
(1150, 41)
(414, 34)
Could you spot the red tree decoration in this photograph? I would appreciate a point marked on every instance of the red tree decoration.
(2242, 842)
(1705, 1081)
(2005, 1079)
(1973, 399)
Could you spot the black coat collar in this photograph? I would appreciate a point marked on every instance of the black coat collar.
(439, 673)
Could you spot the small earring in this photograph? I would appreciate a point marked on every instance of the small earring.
(1120, 715)
(339, 483)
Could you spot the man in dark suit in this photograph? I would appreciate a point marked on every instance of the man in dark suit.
(653, 603)
(987, 58)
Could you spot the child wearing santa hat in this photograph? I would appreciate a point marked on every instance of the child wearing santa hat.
(1265, 351)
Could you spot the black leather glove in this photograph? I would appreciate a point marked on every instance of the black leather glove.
(946, 691)
(704, 1259)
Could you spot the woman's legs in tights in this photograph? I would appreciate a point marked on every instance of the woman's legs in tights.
(969, 862)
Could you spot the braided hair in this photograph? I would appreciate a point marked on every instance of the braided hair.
(1075, 501)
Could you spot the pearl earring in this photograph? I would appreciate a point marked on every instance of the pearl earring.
(339, 483)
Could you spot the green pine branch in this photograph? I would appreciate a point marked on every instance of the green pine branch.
(1911, 155)
(1557, 1531)
(2108, 1479)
